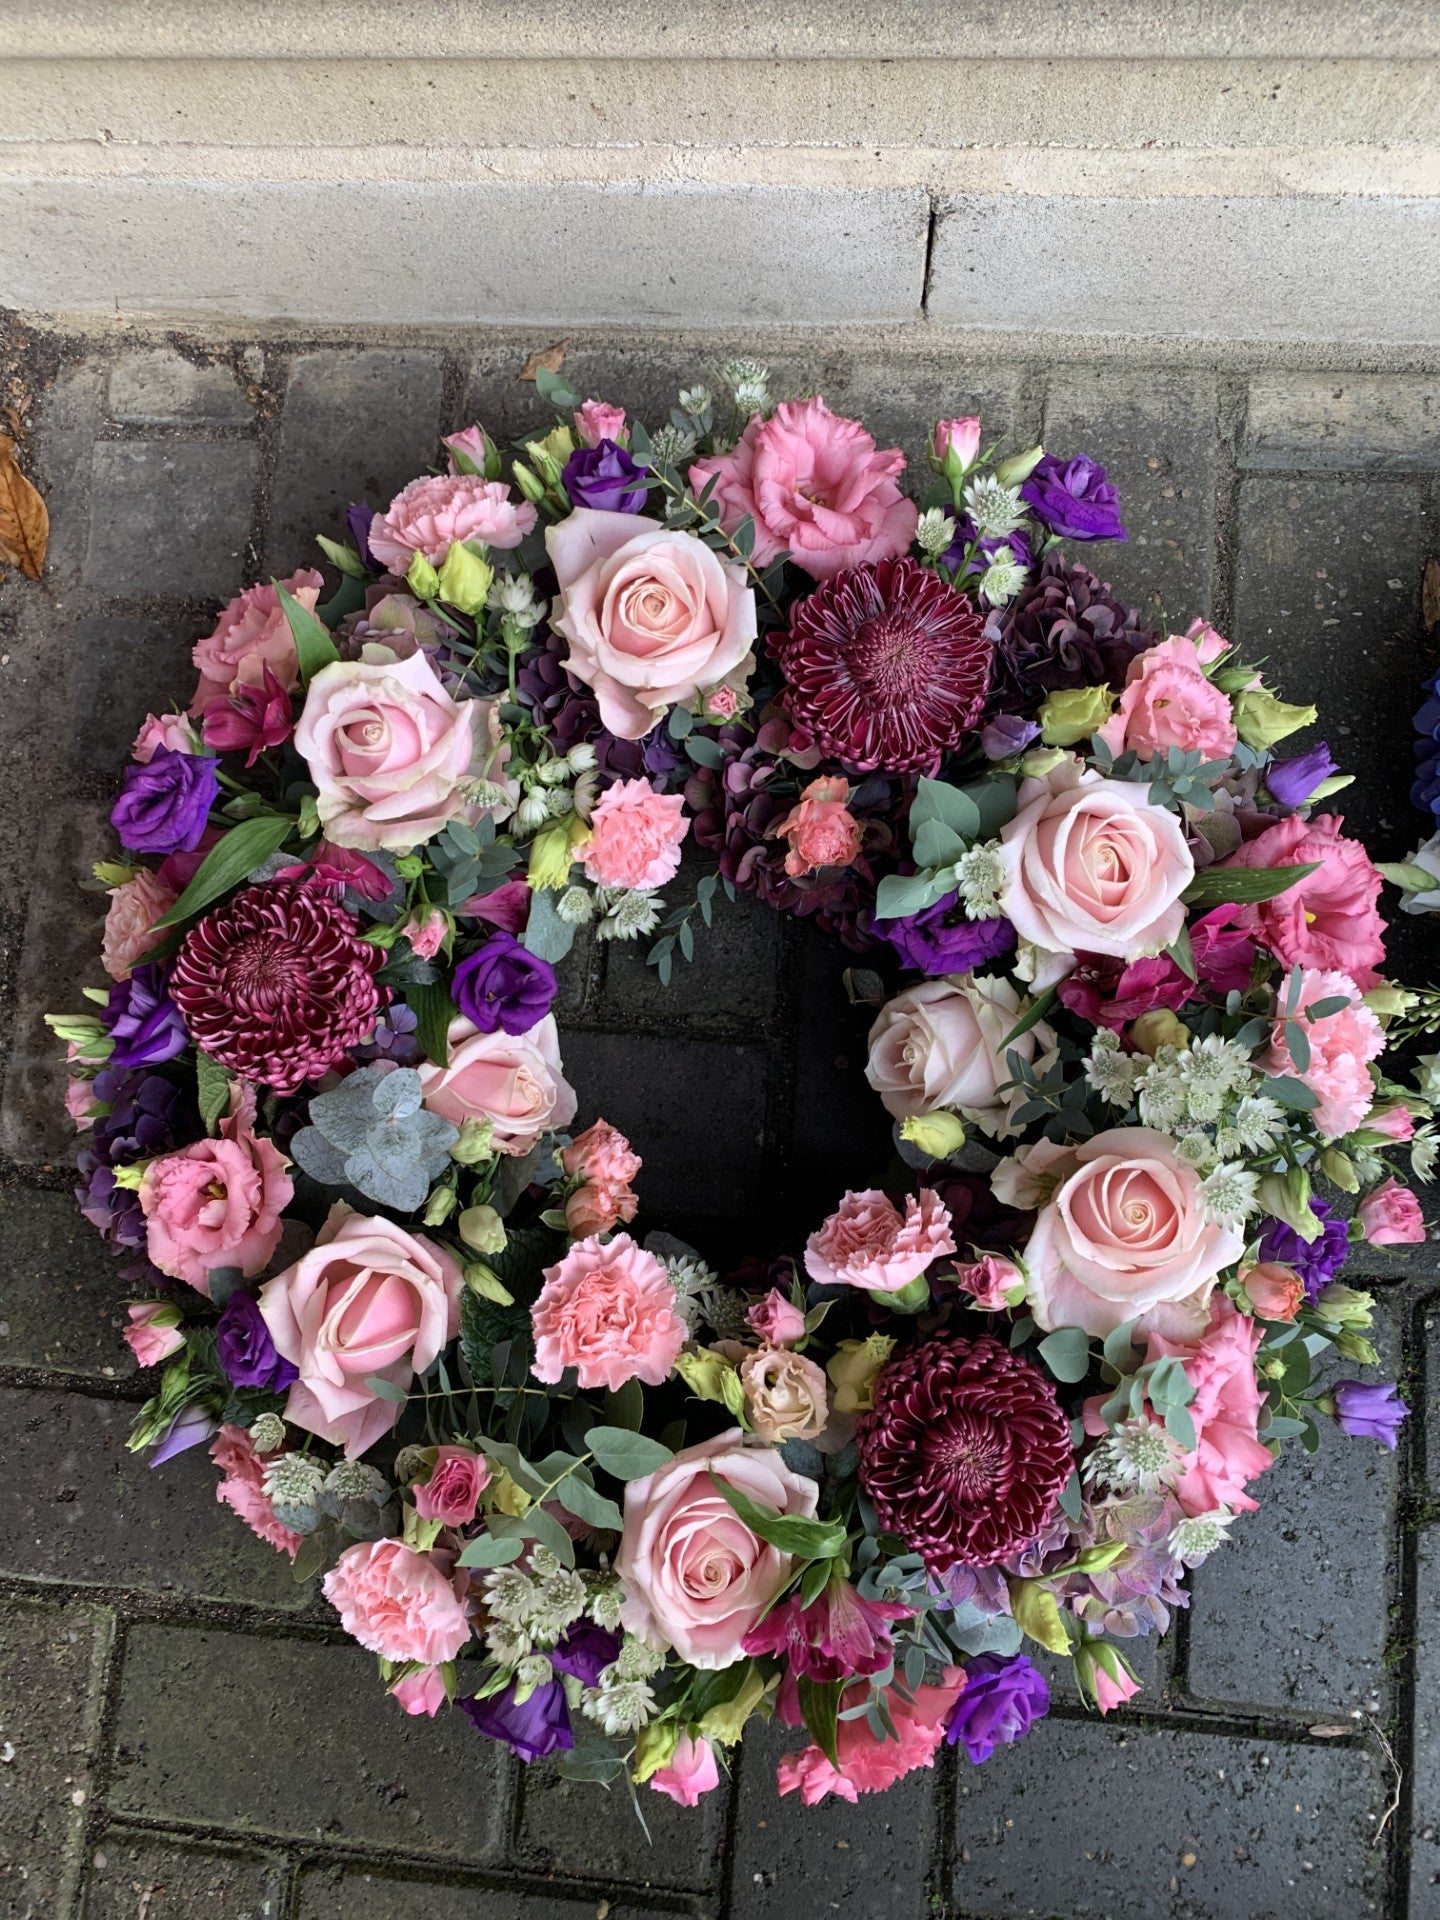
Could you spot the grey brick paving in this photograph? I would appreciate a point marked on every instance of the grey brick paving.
(235, 1762)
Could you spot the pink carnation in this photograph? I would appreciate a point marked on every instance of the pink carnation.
(816, 487)
(130, 922)
(1329, 919)
(608, 1310)
(397, 1602)
(1391, 1216)
(251, 634)
(867, 1243)
(154, 1331)
(822, 831)
(868, 1765)
(243, 1488)
(431, 512)
(171, 730)
(216, 1203)
(595, 421)
(1168, 702)
(452, 1493)
(635, 836)
(601, 1155)
(1340, 1044)
(689, 1772)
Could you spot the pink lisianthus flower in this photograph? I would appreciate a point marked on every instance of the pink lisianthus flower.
(838, 1636)
(690, 1772)
(1220, 1366)
(80, 1102)
(608, 1310)
(1396, 1123)
(420, 1692)
(1168, 702)
(130, 922)
(154, 1331)
(251, 634)
(1113, 1690)
(777, 1320)
(171, 730)
(1391, 1216)
(821, 830)
(452, 1492)
(868, 1243)
(217, 1203)
(1330, 918)
(816, 487)
(1207, 642)
(251, 720)
(990, 1281)
(595, 421)
(1340, 1045)
(635, 836)
(243, 1488)
(430, 513)
(397, 1602)
(868, 1765)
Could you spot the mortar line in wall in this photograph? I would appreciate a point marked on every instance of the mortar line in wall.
(1404, 1603)
(1232, 398)
(931, 227)
(269, 418)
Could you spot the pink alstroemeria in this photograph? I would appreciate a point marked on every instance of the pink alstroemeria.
(252, 719)
(837, 1637)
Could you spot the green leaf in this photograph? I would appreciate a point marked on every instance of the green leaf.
(819, 1704)
(1066, 1353)
(384, 1389)
(489, 1551)
(433, 1010)
(546, 935)
(311, 1555)
(1031, 1018)
(1243, 886)
(935, 800)
(625, 1407)
(558, 392)
(704, 751)
(588, 1505)
(937, 845)
(1407, 876)
(212, 1085)
(994, 800)
(809, 1539)
(900, 894)
(1120, 1349)
(814, 1581)
(545, 1528)
(1181, 952)
(715, 1687)
(626, 1455)
(232, 857)
(1290, 1093)
(314, 648)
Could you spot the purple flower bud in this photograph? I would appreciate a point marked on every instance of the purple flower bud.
(1316, 1261)
(246, 1351)
(191, 1427)
(540, 1726)
(357, 519)
(165, 803)
(1292, 782)
(1074, 499)
(1002, 1701)
(1008, 735)
(605, 478)
(142, 1019)
(503, 985)
(1372, 1411)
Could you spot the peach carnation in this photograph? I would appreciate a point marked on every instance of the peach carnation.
(251, 634)
(1340, 1045)
(130, 922)
(431, 512)
(868, 1243)
(243, 1488)
(601, 1155)
(635, 836)
(868, 1765)
(608, 1310)
(821, 830)
(397, 1602)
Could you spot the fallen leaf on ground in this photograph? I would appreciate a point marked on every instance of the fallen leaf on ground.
(24, 523)
(548, 359)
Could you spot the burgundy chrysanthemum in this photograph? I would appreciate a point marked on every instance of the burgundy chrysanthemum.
(277, 985)
(886, 667)
(966, 1451)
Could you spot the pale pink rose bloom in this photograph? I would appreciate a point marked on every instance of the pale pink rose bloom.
(868, 1243)
(1397, 1123)
(452, 1493)
(777, 1320)
(595, 421)
(1208, 644)
(243, 1488)
(397, 1602)
(130, 920)
(597, 1209)
(251, 634)
(432, 511)
(601, 1154)
(1167, 703)
(608, 1310)
(652, 616)
(785, 1395)
(635, 836)
(170, 730)
(1113, 1691)
(695, 1577)
(80, 1102)
(1340, 1045)
(390, 752)
(1220, 1366)
(1125, 1237)
(816, 487)
(722, 702)
(689, 1772)
(511, 1079)
(154, 1331)
(941, 1044)
(821, 830)
(1091, 867)
(990, 1280)
(868, 1765)
(217, 1203)
(369, 1298)
(420, 1692)
(1276, 1292)
(1331, 917)
(427, 934)
(958, 437)
(471, 442)
(1391, 1216)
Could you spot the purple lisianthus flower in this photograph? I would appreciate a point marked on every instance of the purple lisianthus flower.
(1316, 1261)
(1074, 499)
(585, 1651)
(941, 940)
(357, 519)
(1292, 782)
(1007, 735)
(1017, 540)
(246, 1350)
(142, 1019)
(503, 985)
(164, 804)
(539, 1726)
(1372, 1411)
(1002, 1701)
(605, 478)
(191, 1427)
(1426, 791)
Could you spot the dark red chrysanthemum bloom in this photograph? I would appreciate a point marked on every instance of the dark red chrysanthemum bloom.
(966, 1451)
(886, 667)
(276, 985)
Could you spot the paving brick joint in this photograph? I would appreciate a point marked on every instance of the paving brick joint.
(182, 1731)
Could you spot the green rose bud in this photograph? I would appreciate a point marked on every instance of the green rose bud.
(938, 1134)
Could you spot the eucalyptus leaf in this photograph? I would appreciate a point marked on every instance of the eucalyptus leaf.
(1066, 1352)
(626, 1455)
(490, 1551)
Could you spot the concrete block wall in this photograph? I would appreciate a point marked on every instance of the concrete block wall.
(1161, 171)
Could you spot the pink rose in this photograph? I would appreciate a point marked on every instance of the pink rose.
(785, 1397)
(130, 922)
(1091, 867)
(154, 1331)
(777, 1320)
(1168, 702)
(1113, 1690)
(689, 1772)
(242, 1488)
(217, 1203)
(80, 1102)
(251, 634)
(369, 1298)
(608, 1310)
(867, 1243)
(601, 1154)
(470, 444)
(397, 1602)
(635, 836)
(652, 617)
(1125, 1237)
(941, 1044)
(432, 511)
(959, 440)
(170, 730)
(1328, 919)
(990, 1281)
(427, 933)
(722, 702)
(695, 1577)
(868, 1765)
(1391, 1216)
(1220, 1366)
(1276, 1292)
(815, 486)
(513, 1080)
(1339, 1045)
(452, 1493)
(598, 1209)
(1208, 644)
(420, 1692)
(1396, 1123)
(390, 752)
(822, 831)
(595, 421)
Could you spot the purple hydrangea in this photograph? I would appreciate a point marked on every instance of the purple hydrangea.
(147, 1116)
(165, 804)
(941, 940)
(1426, 791)
(503, 985)
(532, 1729)
(1074, 499)
(1002, 1701)
(246, 1351)
(605, 478)
(142, 1020)
(1292, 782)
(1316, 1261)
(1372, 1411)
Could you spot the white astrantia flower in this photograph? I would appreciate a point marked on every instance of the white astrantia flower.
(749, 382)
(1110, 1070)
(1423, 1150)
(267, 1432)
(636, 1660)
(1139, 1456)
(293, 1480)
(510, 1594)
(996, 510)
(559, 1602)
(1216, 1063)
(1003, 578)
(1161, 1092)
(980, 877)
(514, 593)
(1427, 1076)
(1196, 1150)
(695, 400)
(1230, 1194)
(508, 1643)
(605, 1605)
(533, 1670)
(621, 1706)
(671, 446)
(934, 531)
(574, 906)
(1204, 1104)
(694, 1283)
(1196, 1537)
(1257, 1125)
(354, 1480)
(531, 814)
(629, 915)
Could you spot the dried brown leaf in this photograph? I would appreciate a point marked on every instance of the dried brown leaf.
(551, 359)
(1430, 594)
(24, 522)
(1329, 1733)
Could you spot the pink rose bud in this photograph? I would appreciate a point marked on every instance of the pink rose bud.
(154, 1331)
(171, 730)
(1275, 1291)
(1208, 643)
(422, 1692)
(1113, 1692)
(777, 1320)
(595, 421)
(990, 1280)
(1397, 1124)
(426, 933)
(468, 446)
(691, 1772)
(453, 1490)
(722, 702)
(956, 444)
(1391, 1217)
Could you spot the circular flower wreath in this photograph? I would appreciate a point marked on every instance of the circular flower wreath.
(609, 1502)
